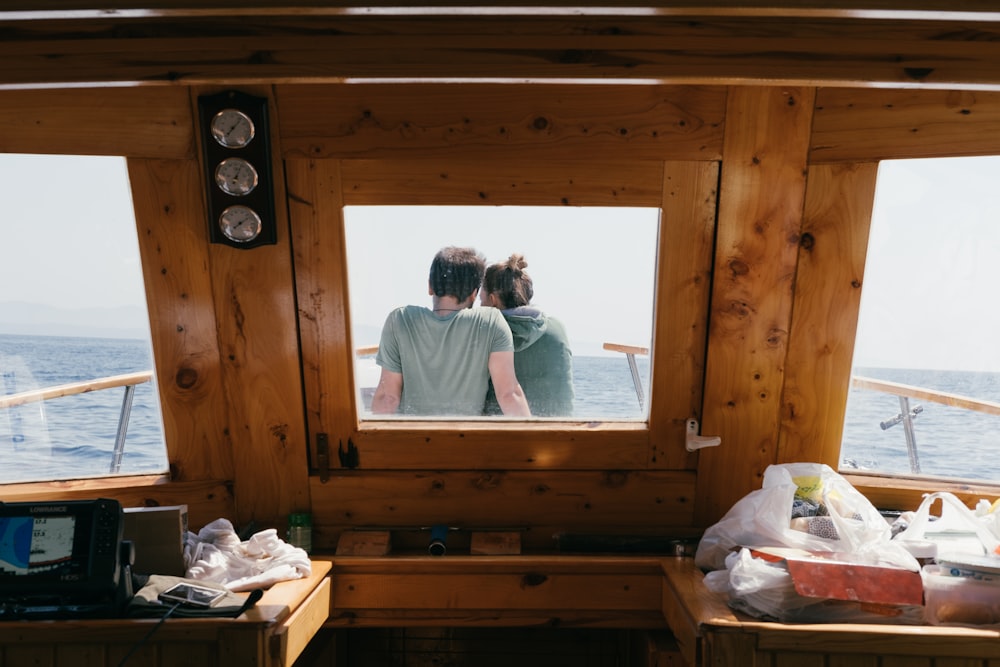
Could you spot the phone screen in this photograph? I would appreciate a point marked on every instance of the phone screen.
(191, 595)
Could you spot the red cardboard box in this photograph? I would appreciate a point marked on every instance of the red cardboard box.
(827, 575)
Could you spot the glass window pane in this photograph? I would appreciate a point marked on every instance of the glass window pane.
(73, 311)
(592, 270)
(926, 391)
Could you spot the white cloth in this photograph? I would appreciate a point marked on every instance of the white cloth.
(217, 554)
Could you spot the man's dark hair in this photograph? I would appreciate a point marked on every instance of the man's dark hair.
(457, 272)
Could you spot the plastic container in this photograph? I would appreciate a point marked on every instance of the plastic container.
(959, 600)
(300, 531)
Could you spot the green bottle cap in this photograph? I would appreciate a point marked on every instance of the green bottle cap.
(300, 519)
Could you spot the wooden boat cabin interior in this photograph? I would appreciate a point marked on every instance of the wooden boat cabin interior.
(752, 133)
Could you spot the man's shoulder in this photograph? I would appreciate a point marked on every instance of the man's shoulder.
(408, 312)
(491, 316)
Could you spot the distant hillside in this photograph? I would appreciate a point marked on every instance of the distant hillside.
(18, 317)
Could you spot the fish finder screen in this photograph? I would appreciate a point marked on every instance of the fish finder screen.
(31, 545)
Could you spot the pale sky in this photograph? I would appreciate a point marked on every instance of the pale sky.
(67, 239)
(592, 268)
(932, 279)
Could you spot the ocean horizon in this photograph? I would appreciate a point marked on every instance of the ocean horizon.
(73, 437)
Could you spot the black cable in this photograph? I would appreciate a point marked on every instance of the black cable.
(148, 634)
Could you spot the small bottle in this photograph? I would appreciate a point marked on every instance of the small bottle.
(300, 530)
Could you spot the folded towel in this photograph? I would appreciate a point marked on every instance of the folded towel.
(216, 554)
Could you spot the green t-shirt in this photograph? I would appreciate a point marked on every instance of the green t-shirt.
(443, 359)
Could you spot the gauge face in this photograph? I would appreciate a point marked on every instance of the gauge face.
(240, 224)
(232, 128)
(235, 176)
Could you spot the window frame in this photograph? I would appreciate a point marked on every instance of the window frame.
(680, 290)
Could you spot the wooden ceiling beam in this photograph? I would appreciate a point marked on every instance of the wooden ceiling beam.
(134, 49)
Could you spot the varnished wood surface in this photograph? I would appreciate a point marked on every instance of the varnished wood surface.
(571, 591)
(852, 125)
(929, 8)
(729, 48)
(707, 629)
(762, 190)
(548, 122)
(540, 504)
(268, 634)
(828, 284)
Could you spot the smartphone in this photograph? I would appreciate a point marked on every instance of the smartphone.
(191, 595)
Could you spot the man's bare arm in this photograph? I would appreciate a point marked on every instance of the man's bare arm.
(510, 396)
(387, 394)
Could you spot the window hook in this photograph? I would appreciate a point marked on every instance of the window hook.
(694, 442)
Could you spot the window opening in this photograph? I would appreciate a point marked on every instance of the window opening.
(925, 393)
(77, 396)
(592, 268)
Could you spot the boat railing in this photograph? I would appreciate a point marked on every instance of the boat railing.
(907, 414)
(128, 381)
(630, 351)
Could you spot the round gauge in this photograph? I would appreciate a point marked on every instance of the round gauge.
(240, 224)
(232, 128)
(235, 176)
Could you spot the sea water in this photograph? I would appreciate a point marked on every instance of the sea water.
(73, 437)
(949, 442)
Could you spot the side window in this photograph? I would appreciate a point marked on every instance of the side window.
(77, 398)
(593, 274)
(925, 395)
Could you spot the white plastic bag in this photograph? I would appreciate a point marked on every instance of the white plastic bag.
(956, 531)
(851, 526)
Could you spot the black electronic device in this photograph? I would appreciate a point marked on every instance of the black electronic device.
(62, 559)
(191, 595)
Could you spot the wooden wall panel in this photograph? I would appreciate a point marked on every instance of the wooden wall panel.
(132, 122)
(687, 242)
(483, 445)
(593, 123)
(593, 502)
(182, 310)
(564, 591)
(472, 181)
(828, 286)
(320, 256)
(865, 125)
(761, 197)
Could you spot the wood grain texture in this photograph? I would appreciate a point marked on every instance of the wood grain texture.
(475, 445)
(761, 197)
(828, 284)
(866, 125)
(835, 49)
(151, 123)
(568, 591)
(182, 311)
(591, 502)
(320, 257)
(473, 181)
(496, 121)
(259, 362)
(687, 238)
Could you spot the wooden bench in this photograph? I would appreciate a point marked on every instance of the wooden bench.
(709, 633)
